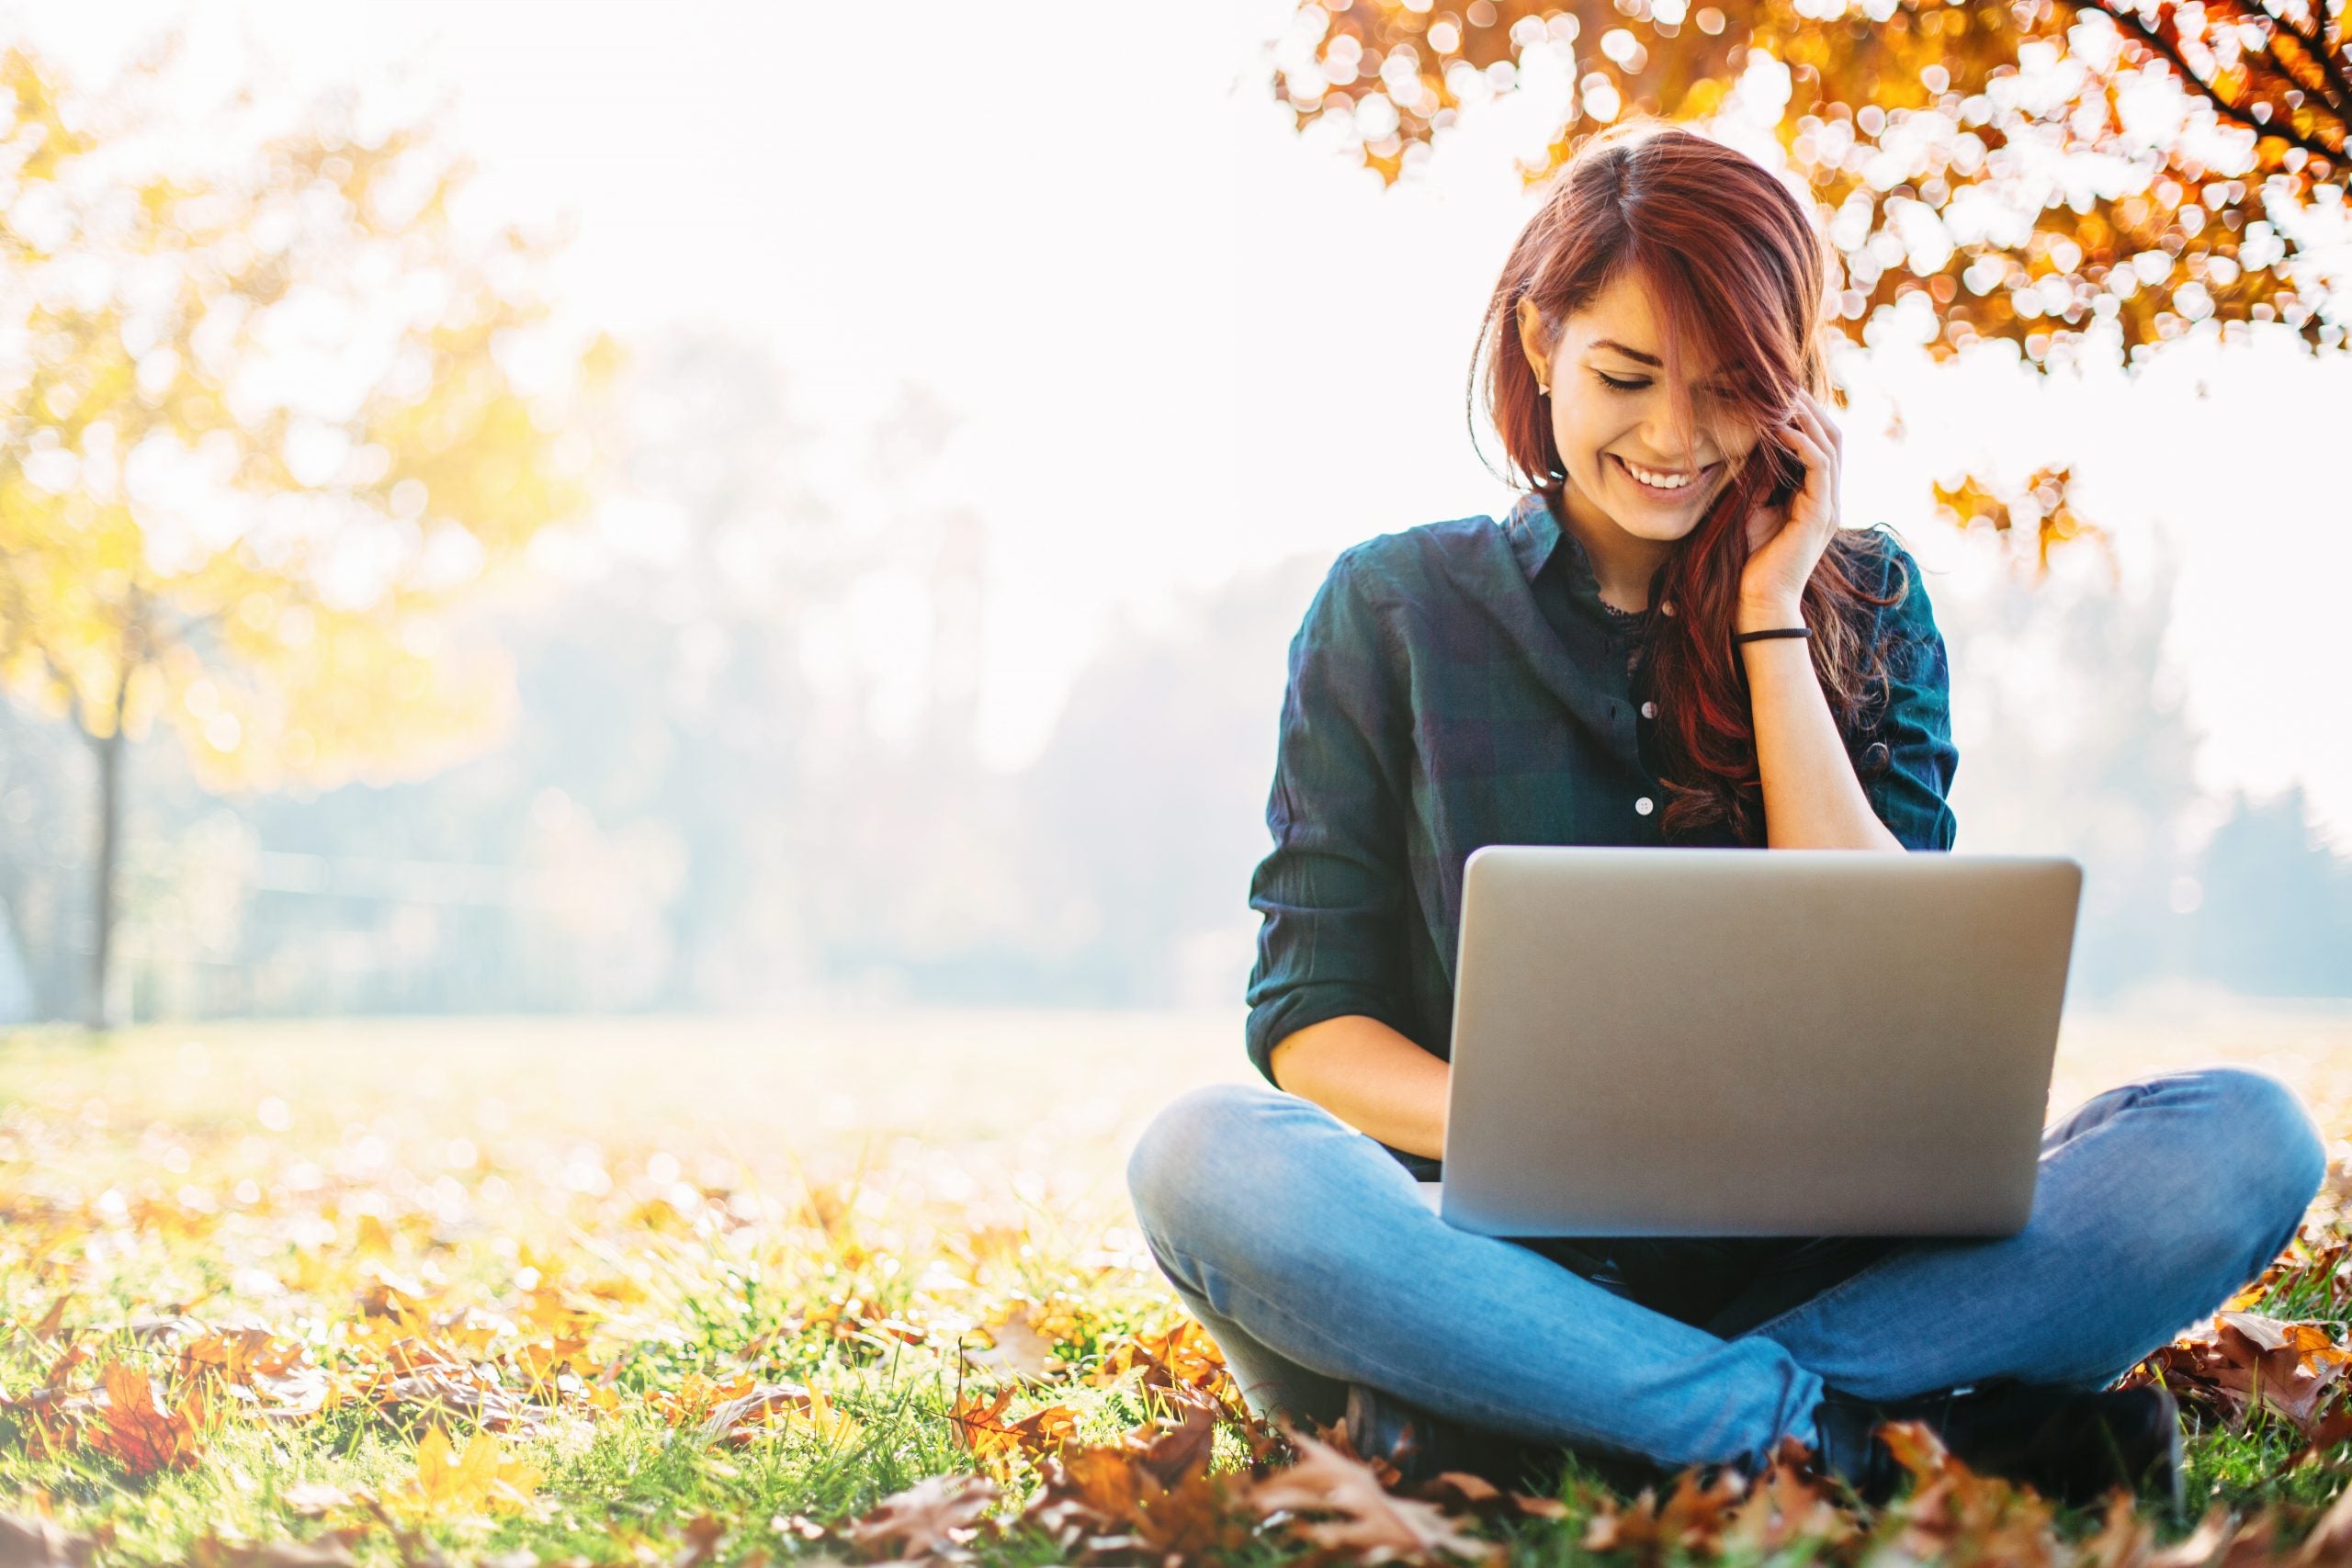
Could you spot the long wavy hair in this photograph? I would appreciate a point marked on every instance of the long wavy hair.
(1732, 260)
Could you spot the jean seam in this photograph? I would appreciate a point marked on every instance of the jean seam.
(1493, 1414)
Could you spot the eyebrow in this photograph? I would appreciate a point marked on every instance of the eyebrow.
(1721, 378)
(1628, 353)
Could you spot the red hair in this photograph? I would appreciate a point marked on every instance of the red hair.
(1731, 258)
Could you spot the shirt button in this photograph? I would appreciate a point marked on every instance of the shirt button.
(1643, 806)
(1649, 710)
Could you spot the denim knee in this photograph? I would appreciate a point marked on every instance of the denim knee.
(2266, 1158)
(1187, 1149)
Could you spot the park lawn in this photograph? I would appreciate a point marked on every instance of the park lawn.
(846, 1288)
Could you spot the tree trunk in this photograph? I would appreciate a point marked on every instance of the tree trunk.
(109, 749)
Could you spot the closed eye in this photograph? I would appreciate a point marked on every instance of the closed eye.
(1615, 385)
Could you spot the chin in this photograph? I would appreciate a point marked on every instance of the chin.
(1661, 530)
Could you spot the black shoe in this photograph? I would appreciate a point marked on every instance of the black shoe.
(1421, 1444)
(2072, 1444)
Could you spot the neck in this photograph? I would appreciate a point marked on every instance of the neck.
(1622, 564)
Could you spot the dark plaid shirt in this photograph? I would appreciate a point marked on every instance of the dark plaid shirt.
(1461, 683)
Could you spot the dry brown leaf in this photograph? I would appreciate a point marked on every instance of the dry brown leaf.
(1691, 1520)
(2293, 1369)
(1789, 1503)
(313, 1498)
(1953, 1513)
(1460, 1492)
(979, 1424)
(740, 1418)
(1015, 1350)
(1179, 1451)
(139, 1430)
(932, 1521)
(2201, 1545)
(1338, 1502)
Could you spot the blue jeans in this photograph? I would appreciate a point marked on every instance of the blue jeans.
(1305, 1249)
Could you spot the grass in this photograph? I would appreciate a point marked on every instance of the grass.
(290, 1253)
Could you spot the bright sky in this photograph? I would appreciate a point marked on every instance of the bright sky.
(1181, 343)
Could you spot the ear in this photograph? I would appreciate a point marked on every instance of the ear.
(1534, 339)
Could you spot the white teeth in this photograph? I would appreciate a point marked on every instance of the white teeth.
(1658, 481)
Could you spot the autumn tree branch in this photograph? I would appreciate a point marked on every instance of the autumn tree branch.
(2128, 18)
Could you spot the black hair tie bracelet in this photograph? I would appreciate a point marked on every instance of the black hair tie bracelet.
(1776, 631)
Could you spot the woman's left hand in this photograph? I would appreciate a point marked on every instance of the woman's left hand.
(1784, 544)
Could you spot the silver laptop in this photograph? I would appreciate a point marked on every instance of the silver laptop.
(1705, 1041)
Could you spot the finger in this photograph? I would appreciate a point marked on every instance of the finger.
(1820, 461)
(1802, 442)
(1815, 418)
(1824, 421)
(1819, 467)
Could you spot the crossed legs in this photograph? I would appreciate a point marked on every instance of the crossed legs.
(1306, 1252)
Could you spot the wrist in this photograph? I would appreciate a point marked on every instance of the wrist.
(1767, 614)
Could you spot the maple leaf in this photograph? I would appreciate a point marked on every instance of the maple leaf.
(272, 1377)
(1340, 1502)
(982, 1430)
(479, 1479)
(1150, 1490)
(932, 1521)
(143, 1434)
(978, 1424)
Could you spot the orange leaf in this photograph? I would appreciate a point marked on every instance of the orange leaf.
(139, 1430)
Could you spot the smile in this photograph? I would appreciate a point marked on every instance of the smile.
(1679, 490)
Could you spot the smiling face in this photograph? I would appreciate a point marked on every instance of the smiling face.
(1612, 412)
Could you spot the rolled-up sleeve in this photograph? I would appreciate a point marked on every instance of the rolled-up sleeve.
(1911, 795)
(1333, 890)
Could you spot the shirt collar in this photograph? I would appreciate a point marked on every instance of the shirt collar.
(1534, 533)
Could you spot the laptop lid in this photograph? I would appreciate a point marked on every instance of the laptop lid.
(1732, 1042)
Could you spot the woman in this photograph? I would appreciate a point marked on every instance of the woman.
(1668, 640)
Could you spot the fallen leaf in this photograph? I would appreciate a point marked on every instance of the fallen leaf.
(932, 1521)
(1015, 1350)
(741, 1418)
(2293, 1369)
(477, 1479)
(139, 1430)
(1338, 1502)
(313, 1498)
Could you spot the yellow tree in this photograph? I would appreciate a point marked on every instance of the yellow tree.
(270, 409)
(2033, 171)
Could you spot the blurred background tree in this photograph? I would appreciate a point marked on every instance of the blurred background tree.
(710, 737)
(268, 415)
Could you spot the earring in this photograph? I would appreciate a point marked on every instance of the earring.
(1541, 390)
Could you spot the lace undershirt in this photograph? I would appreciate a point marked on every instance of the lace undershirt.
(1628, 621)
